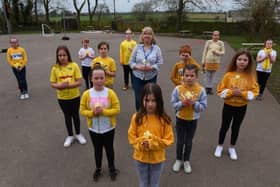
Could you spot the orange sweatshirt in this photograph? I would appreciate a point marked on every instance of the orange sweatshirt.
(244, 81)
(161, 137)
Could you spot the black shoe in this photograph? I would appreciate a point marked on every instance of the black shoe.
(210, 91)
(259, 97)
(96, 175)
(113, 174)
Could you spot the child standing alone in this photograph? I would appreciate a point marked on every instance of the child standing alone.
(237, 87)
(150, 133)
(86, 54)
(17, 59)
(188, 99)
(101, 105)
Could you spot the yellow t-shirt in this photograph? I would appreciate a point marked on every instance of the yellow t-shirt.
(126, 48)
(16, 57)
(68, 73)
(107, 63)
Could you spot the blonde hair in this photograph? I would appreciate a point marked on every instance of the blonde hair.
(85, 39)
(150, 31)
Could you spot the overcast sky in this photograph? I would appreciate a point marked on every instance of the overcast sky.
(126, 5)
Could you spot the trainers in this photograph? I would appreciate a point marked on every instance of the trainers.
(81, 139)
(26, 96)
(96, 175)
(125, 87)
(21, 96)
(187, 167)
(113, 174)
(218, 151)
(177, 165)
(68, 141)
(232, 153)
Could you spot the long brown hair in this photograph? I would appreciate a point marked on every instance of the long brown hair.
(154, 89)
(64, 48)
(250, 67)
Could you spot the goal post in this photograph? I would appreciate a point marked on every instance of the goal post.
(46, 30)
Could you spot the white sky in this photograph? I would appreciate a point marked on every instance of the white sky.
(126, 5)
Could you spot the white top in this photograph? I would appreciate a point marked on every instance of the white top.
(82, 53)
(262, 54)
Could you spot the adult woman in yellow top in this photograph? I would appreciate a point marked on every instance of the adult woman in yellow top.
(66, 78)
(126, 48)
(211, 57)
(144, 62)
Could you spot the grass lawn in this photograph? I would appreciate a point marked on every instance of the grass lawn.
(274, 79)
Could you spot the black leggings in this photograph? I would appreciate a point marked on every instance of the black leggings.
(236, 115)
(126, 72)
(70, 109)
(262, 79)
(106, 140)
(185, 130)
(86, 71)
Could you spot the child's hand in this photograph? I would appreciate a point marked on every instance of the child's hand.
(188, 102)
(236, 92)
(98, 110)
(63, 85)
(146, 144)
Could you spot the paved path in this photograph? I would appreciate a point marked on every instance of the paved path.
(33, 131)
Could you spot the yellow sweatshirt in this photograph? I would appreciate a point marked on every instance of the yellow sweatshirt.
(16, 57)
(161, 136)
(177, 72)
(126, 48)
(244, 81)
(111, 106)
(108, 64)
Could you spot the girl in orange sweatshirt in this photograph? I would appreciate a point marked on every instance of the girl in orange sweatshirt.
(237, 87)
(150, 133)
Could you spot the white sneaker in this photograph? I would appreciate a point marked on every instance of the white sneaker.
(177, 165)
(218, 151)
(26, 96)
(187, 167)
(81, 139)
(232, 153)
(21, 96)
(68, 141)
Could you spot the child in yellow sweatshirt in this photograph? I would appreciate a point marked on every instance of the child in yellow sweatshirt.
(126, 48)
(101, 105)
(185, 53)
(150, 133)
(17, 59)
(237, 87)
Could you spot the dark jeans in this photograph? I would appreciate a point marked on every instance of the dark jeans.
(138, 85)
(21, 79)
(262, 79)
(185, 130)
(86, 71)
(236, 115)
(106, 140)
(70, 109)
(126, 71)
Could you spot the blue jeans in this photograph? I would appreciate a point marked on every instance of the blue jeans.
(21, 79)
(185, 130)
(138, 85)
(149, 174)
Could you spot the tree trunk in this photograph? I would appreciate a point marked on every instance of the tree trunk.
(36, 12)
(7, 26)
(179, 13)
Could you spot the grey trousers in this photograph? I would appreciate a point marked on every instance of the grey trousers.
(210, 77)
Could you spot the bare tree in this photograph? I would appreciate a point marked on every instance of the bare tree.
(262, 16)
(91, 10)
(180, 6)
(46, 4)
(6, 11)
(78, 11)
(141, 9)
(101, 9)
